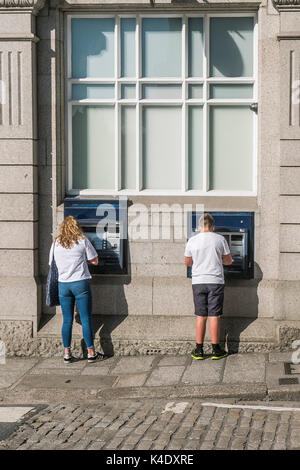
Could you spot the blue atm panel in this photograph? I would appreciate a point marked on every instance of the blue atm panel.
(238, 229)
(110, 240)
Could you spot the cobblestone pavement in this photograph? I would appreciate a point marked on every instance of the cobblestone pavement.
(159, 424)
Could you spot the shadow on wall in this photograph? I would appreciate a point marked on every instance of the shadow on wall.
(240, 296)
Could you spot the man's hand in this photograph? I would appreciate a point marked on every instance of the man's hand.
(189, 261)
(227, 260)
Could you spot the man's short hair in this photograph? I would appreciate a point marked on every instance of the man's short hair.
(206, 220)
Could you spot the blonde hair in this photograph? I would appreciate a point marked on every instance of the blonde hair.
(206, 220)
(70, 232)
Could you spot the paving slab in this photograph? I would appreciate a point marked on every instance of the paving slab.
(16, 363)
(58, 363)
(245, 368)
(280, 356)
(128, 365)
(104, 370)
(166, 375)
(134, 380)
(9, 379)
(203, 372)
(173, 361)
(66, 382)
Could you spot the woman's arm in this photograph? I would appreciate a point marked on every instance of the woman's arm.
(94, 261)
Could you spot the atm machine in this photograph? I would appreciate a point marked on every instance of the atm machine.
(104, 222)
(238, 229)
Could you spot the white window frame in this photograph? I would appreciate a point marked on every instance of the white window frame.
(138, 102)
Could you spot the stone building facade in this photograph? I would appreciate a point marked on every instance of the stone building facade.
(149, 309)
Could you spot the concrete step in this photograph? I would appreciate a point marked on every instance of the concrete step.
(155, 334)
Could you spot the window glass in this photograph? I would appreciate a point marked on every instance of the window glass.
(128, 26)
(195, 91)
(195, 147)
(128, 92)
(93, 147)
(96, 92)
(231, 47)
(93, 47)
(167, 92)
(161, 47)
(128, 147)
(231, 147)
(230, 91)
(195, 47)
(162, 150)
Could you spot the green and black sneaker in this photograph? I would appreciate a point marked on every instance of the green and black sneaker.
(218, 353)
(198, 354)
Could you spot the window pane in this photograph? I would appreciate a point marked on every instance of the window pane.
(195, 47)
(93, 147)
(161, 47)
(195, 91)
(162, 150)
(162, 92)
(128, 147)
(128, 47)
(231, 147)
(127, 92)
(92, 47)
(82, 92)
(195, 145)
(231, 47)
(230, 91)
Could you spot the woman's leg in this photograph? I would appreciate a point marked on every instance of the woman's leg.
(83, 297)
(67, 302)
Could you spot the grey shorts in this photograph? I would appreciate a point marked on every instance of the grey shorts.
(208, 299)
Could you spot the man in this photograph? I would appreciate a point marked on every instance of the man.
(206, 253)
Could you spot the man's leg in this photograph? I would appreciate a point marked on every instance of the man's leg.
(200, 329)
(214, 329)
(215, 310)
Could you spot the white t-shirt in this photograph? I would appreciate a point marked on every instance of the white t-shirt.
(207, 249)
(72, 262)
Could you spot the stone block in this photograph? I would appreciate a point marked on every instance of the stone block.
(133, 365)
(18, 207)
(134, 380)
(290, 238)
(168, 253)
(289, 266)
(244, 368)
(118, 298)
(289, 210)
(158, 270)
(140, 252)
(18, 152)
(18, 263)
(241, 300)
(287, 301)
(18, 235)
(161, 376)
(290, 152)
(18, 298)
(208, 372)
(172, 296)
(17, 179)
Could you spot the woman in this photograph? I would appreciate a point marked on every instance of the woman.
(72, 250)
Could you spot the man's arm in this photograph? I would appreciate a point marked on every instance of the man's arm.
(188, 261)
(227, 260)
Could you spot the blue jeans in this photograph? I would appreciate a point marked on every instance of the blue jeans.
(79, 291)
